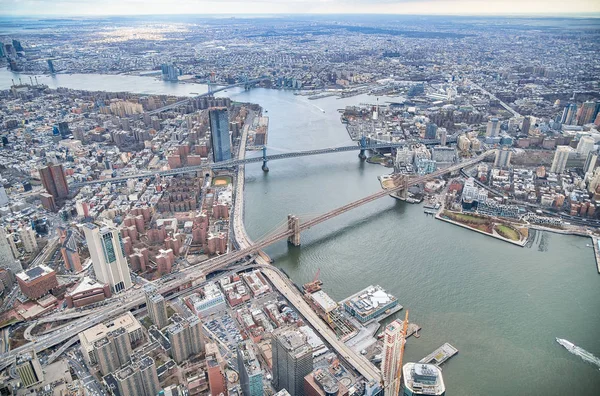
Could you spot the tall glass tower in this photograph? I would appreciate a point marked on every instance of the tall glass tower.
(219, 130)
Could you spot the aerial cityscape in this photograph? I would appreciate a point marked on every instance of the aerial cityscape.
(300, 198)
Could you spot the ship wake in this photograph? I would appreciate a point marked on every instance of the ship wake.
(583, 354)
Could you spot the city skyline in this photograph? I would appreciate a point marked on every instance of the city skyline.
(273, 7)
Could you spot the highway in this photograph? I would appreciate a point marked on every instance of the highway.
(492, 96)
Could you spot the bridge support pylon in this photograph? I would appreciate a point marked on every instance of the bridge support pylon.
(363, 144)
(294, 225)
(403, 194)
(265, 167)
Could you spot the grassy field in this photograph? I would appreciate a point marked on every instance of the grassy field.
(507, 232)
(466, 218)
(221, 181)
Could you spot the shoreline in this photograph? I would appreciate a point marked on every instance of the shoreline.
(518, 243)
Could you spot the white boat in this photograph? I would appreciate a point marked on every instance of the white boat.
(569, 346)
(577, 351)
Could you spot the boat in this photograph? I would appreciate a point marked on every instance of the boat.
(569, 346)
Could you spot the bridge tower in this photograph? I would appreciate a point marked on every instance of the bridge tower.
(294, 225)
(210, 86)
(265, 168)
(403, 194)
(363, 145)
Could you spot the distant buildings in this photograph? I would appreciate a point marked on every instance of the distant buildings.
(390, 365)
(169, 72)
(108, 257)
(292, 360)
(37, 281)
(585, 145)
(423, 379)
(54, 181)
(219, 130)
(561, 155)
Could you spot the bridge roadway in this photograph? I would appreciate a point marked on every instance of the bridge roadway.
(243, 161)
(211, 92)
(135, 298)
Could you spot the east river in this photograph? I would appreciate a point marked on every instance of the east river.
(501, 305)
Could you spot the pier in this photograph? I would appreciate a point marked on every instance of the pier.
(440, 355)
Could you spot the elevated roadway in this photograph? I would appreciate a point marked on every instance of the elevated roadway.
(243, 161)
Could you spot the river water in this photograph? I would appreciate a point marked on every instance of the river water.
(501, 305)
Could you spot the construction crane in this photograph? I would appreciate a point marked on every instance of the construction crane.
(315, 285)
(398, 376)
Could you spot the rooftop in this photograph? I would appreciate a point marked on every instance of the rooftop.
(34, 273)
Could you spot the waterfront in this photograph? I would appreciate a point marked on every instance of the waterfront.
(502, 306)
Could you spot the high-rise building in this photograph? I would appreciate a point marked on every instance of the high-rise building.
(17, 45)
(3, 196)
(569, 114)
(7, 258)
(590, 162)
(51, 66)
(443, 136)
(63, 129)
(586, 114)
(503, 157)
(156, 306)
(138, 378)
(585, 145)
(108, 256)
(27, 235)
(114, 350)
(29, 369)
(169, 72)
(37, 281)
(561, 155)
(292, 360)
(186, 337)
(423, 379)
(390, 364)
(54, 181)
(431, 131)
(251, 375)
(493, 127)
(526, 125)
(219, 131)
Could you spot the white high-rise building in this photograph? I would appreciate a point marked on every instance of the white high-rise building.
(561, 155)
(27, 236)
(585, 145)
(108, 256)
(7, 258)
(390, 365)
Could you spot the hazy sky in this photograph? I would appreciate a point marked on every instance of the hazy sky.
(448, 7)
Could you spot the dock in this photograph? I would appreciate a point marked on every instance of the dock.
(440, 355)
(595, 243)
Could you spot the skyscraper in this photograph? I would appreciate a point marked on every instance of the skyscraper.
(156, 306)
(219, 130)
(108, 256)
(585, 145)
(186, 337)
(292, 360)
(7, 259)
(503, 157)
(431, 131)
(51, 66)
(251, 376)
(169, 72)
(390, 370)
(443, 136)
(590, 162)
(586, 113)
(561, 155)
(569, 114)
(54, 181)
(114, 350)
(17, 45)
(526, 125)
(138, 378)
(493, 127)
